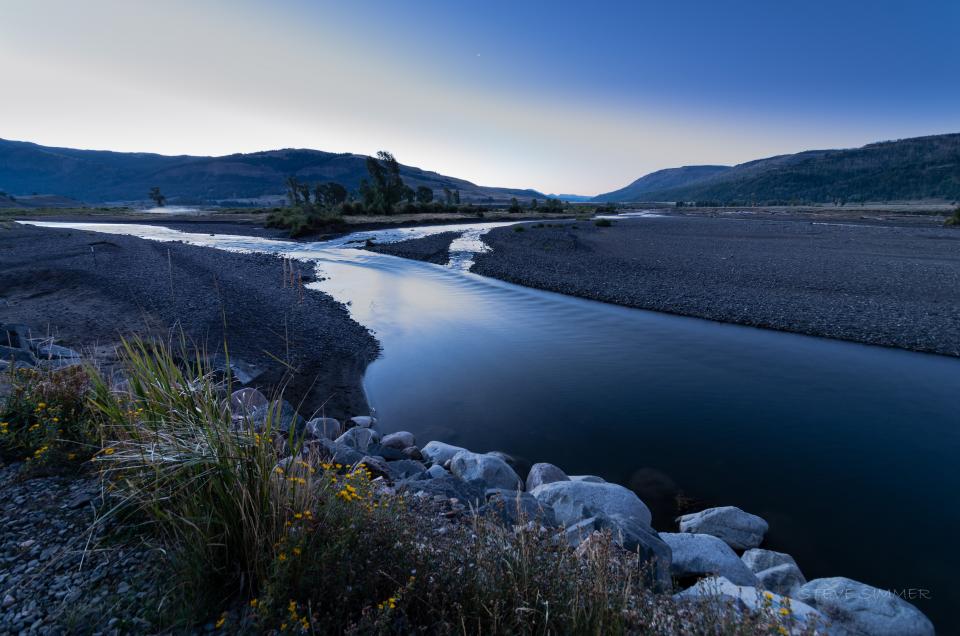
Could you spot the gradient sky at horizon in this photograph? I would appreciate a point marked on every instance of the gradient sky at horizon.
(568, 97)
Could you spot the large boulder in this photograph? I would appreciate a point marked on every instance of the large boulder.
(334, 452)
(512, 507)
(862, 610)
(281, 415)
(704, 555)
(389, 454)
(574, 501)
(375, 465)
(362, 421)
(406, 469)
(488, 469)
(759, 559)
(245, 401)
(632, 536)
(448, 487)
(439, 453)
(785, 579)
(399, 440)
(794, 616)
(740, 530)
(412, 452)
(325, 427)
(588, 478)
(359, 439)
(544, 474)
(437, 472)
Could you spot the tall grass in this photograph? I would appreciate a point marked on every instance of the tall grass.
(266, 535)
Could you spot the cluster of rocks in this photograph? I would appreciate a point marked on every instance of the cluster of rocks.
(715, 555)
(62, 569)
(19, 349)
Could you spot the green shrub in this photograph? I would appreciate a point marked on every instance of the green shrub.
(45, 420)
(304, 220)
(954, 220)
(603, 222)
(519, 228)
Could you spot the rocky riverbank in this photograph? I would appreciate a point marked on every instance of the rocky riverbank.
(713, 553)
(85, 289)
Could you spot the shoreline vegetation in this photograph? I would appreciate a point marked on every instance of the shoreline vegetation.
(252, 519)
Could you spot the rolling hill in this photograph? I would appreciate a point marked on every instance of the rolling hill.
(644, 187)
(921, 168)
(97, 176)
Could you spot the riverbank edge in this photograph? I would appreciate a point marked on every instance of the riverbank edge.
(490, 264)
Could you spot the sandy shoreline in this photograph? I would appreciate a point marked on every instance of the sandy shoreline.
(88, 289)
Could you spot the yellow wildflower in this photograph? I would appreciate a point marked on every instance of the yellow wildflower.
(253, 603)
(221, 621)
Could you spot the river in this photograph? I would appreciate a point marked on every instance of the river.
(847, 450)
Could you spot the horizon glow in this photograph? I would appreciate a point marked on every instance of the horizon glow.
(560, 97)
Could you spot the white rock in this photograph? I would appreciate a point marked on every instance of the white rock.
(246, 401)
(702, 554)
(491, 470)
(801, 618)
(359, 439)
(785, 579)
(364, 421)
(325, 427)
(399, 440)
(437, 472)
(862, 610)
(740, 530)
(759, 559)
(588, 478)
(439, 453)
(574, 501)
(544, 473)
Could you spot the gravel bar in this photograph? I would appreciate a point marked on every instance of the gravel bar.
(88, 289)
(432, 249)
(884, 285)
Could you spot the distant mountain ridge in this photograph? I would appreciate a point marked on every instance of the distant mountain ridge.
(661, 180)
(96, 176)
(907, 169)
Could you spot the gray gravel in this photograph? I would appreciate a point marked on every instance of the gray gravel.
(884, 285)
(433, 249)
(62, 570)
(87, 289)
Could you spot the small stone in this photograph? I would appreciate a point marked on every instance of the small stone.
(8, 601)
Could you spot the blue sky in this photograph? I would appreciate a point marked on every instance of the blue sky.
(570, 97)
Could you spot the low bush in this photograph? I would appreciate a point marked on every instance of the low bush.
(45, 419)
(303, 220)
(603, 222)
(954, 219)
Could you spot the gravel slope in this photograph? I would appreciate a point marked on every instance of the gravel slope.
(88, 289)
(883, 285)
